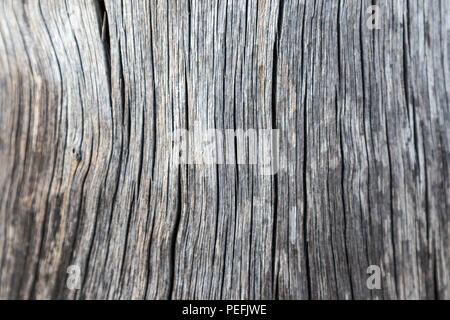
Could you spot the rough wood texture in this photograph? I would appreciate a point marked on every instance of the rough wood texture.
(90, 91)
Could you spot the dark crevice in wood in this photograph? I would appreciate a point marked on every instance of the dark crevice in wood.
(122, 83)
(252, 214)
(364, 108)
(341, 145)
(223, 291)
(405, 66)
(305, 201)
(104, 32)
(149, 250)
(344, 214)
(216, 227)
(443, 43)
(435, 273)
(222, 281)
(173, 245)
(155, 117)
(217, 168)
(431, 251)
(150, 232)
(275, 151)
(305, 159)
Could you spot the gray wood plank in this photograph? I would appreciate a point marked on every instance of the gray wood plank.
(92, 92)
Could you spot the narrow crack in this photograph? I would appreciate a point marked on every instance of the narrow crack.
(275, 155)
(305, 160)
(342, 149)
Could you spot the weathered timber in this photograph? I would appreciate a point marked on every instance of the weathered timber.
(91, 91)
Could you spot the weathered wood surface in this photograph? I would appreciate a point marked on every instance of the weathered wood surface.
(90, 91)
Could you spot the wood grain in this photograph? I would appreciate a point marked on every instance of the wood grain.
(92, 91)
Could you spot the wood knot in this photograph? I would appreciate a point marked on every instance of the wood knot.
(76, 154)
